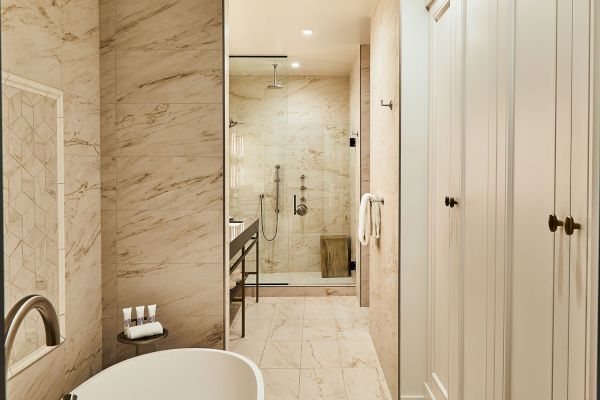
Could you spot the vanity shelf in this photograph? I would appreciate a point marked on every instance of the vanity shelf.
(244, 236)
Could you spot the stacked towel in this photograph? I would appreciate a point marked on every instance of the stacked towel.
(369, 218)
(141, 331)
(235, 278)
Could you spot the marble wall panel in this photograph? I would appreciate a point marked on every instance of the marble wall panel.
(169, 76)
(304, 128)
(192, 130)
(162, 167)
(56, 43)
(384, 181)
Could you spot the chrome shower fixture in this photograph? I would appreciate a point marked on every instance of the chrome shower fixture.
(275, 84)
(262, 215)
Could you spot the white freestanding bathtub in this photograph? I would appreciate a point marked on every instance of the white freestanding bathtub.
(177, 374)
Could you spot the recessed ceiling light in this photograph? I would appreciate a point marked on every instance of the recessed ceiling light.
(295, 65)
(307, 32)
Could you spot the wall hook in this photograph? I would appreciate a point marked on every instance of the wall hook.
(387, 105)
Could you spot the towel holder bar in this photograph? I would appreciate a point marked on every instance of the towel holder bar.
(377, 201)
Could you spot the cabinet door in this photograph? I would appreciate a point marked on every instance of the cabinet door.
(531, 284)
(443, 220)
(578, 198)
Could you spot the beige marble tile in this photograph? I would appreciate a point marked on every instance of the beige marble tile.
(82, 184)
(107, 51)
(358, 353)
(289, 310)
(29, 29)
(365, 384)
(285, 329)
(82, 132)
(108, 127)
(256, 329)
(80, 64)
(169, 130)
(347, 311)
(193, 290)
(281, 384)
(168, 236)
(161, 24)
(282, 354)
(253, 349)
(108, 178)
(319, 329)
(262, 311)
(169, 183)
(322, 384)
(169, 76)
(318, 311)
(320, 354)
(82, 242)
(350, 329)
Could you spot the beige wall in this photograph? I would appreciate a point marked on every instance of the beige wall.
(56, 44)
(304, 128)
(385, 164)
(162, 168)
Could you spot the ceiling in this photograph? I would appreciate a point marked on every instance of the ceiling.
(274, 27)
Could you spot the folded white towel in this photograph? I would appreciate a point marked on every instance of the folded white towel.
(369, 218)
(236, 277)
(232, 284)
(141, 331)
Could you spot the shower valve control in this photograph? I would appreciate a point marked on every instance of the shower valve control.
(301, 209)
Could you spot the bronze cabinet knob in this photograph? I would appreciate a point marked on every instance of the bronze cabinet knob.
(554, 223)
(571, 225)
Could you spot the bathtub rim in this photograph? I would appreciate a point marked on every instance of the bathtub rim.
(260, 387)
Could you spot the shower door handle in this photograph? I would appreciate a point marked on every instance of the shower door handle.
(295, 213)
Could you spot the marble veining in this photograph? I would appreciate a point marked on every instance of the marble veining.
(162, 168)
(333, 358)
(56, 44)
(304, 128)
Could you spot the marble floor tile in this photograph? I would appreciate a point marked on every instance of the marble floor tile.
(320, 354)
(291, 310)
(358, 354)
(260, 311)
(282, 354)
(349, 311)
(324, 353)
(350, 300)
(352, 329)
(365, 384)
(253, 349)
(281, 384)
(285, 329)
(256, 329)
(291, 299)
(319, 329)
(318, 311)
(322, 384)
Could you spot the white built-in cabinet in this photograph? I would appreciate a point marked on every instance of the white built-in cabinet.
(511, 298)
(550, 224)
(444, 187)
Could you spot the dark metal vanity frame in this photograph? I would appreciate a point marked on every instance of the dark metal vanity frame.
(244, 243)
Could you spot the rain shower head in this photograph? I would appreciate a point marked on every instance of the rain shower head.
(275, 84)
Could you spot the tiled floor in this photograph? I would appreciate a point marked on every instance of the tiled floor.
(311, 348)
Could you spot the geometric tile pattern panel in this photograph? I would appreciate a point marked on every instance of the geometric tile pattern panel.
(32, 262)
